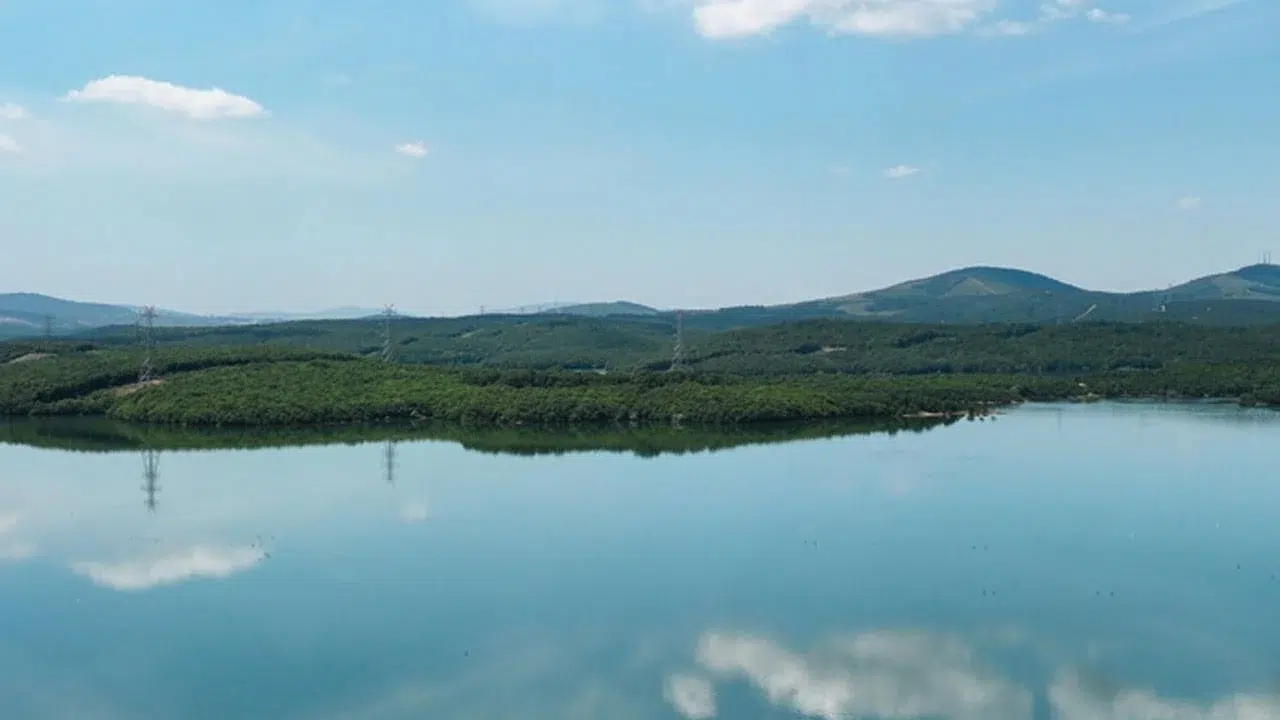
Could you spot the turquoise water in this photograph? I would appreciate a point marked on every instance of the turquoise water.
(1108, 561)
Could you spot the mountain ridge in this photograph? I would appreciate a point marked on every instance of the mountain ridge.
(971, 295)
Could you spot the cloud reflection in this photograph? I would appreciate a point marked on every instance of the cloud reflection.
(414, 512)
(881, 674)
(691, 696)
(1073, 697)
(11, 548)
(196, 562)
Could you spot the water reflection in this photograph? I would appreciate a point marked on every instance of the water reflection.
(835, 580)
(150, 478)
(100, 435)
(875, 675)
(171, 567)
(904, 675)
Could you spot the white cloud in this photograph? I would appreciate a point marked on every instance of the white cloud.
(919, 18)
(887, 675)
(9, 111)
(198, 562)
(691, 696)
(416, 149)
(9, 145)
(414, 512)
(1099, 15)
(898, 172)
(211, 104)
(1189, 202)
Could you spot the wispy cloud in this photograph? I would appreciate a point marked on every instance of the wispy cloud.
(197, 562)
(1008, 28)
(1052, 12)
(534, 11)
(10, 111)
(898, 172)
(8, 145)
(211, 104)
(416, 149)
(916, 18)
(1189, 202)
(1189, 10)
(1098, 15)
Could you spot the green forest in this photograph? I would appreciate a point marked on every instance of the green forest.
(610, 372)
(820, 345)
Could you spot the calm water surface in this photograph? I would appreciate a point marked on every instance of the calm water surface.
(1101, 562)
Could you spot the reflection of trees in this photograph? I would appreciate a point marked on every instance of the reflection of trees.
(150, 478)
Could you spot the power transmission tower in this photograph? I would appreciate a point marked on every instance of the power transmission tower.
(151, 478)
(677, 354)
(48, 327)
(387, 314)
(147, 323)
(389, 462)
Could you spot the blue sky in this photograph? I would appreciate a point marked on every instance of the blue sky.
(451, 154)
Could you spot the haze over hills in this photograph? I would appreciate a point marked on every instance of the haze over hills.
(970, 295)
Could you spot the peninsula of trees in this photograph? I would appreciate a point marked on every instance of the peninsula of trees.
(611, 372)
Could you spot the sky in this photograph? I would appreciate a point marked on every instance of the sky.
(224, 156)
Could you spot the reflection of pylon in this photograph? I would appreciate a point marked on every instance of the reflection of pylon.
(151, 478)
(389, 463)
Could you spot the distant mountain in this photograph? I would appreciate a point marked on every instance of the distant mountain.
(342, 313)
(1255, 282)
(26, 314)
(973, 295)
(977, 295)
(605, 309)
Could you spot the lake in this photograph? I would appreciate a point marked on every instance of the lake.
(1108, 561)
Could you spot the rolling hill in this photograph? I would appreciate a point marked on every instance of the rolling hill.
(26, 315)
(973, 295)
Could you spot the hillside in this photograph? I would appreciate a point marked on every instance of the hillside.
(24, 315)
(801, 371)
(604, 309)
(1255, 282)
(968, 296)
(978, 295)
